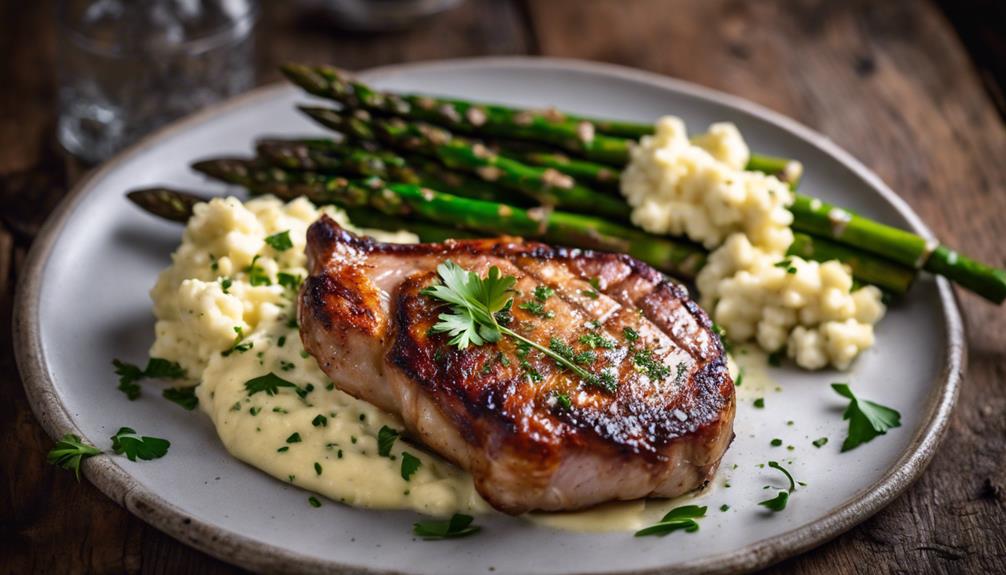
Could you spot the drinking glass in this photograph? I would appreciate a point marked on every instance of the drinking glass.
(129, 66)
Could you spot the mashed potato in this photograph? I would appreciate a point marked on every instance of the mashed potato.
(226, 311)
(750, 287)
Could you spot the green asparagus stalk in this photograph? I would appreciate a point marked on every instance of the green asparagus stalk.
(546, 186)
(173, 205)
(825, 220)
(466, 117)
(327, 157)
(177, 206)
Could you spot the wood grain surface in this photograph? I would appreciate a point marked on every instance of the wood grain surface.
(890, 81)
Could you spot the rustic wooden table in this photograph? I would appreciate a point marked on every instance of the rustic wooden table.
(891, 81)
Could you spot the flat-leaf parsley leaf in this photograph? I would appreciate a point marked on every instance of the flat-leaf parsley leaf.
(70, 451)
(410, 465)
(474, 304)
(386, 440)
(127, 441)
(280, 241)
(867, 419)
(269, 383)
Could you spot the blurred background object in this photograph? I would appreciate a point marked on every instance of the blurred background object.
(377, 15)
(127, 67)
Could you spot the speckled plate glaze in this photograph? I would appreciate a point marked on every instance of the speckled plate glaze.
(83, 300)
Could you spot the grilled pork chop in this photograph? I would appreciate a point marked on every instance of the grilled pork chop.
(532, 434)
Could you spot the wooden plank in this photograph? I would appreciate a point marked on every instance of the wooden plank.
(890, 82)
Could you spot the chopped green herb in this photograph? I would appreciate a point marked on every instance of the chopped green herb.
(775, 358)
(457, 526)
(543, 292)
(279, 410)
(562, 401)
(69, 452)
(777, 503)
(225, 284)
(740, 377)
(286, 365)
(157, 368)
(320, 421)
(294, 438)
(314, 501)
(236, 406)
(289, 281)
(280, 241)
(536, 308)
(317, 468)
(775, 465)
(679, 518)
(126, 441)
(759, 403)
(654, 369)
(269, 383)
(214, 264)
(256, 275)
(254, 410)
(410, 465)
(867, 419)
(283, 449)
(237, 345)
(281, 341)
(631, 335)
(595, 340)
(183, 396)
(776, 442)
(386, 438)
(724, 507)
(820, 442)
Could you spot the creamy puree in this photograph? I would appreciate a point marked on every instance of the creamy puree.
(326, 441)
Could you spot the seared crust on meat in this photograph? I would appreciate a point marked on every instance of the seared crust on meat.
(532, 434)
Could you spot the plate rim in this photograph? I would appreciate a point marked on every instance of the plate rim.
(118, 485)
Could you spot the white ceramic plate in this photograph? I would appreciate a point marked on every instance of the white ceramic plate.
(84, 301)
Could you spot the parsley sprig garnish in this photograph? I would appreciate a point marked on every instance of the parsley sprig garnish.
(157, 368)
(70, 451)
(127, 441)
(458, 525)
(867, 419)
(676, 519)
(472, 320)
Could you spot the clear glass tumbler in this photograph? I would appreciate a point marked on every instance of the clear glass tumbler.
(129, 66)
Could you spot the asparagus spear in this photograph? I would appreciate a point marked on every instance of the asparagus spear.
(327, 157)
(547, 186)
(173, 205)
(177, 206)
(822, 219)
(335, 84)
